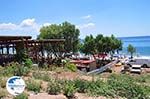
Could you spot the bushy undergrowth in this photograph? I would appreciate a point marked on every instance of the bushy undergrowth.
(9, 70)
(71, 67)
(69, 89)
(116, 85)
(28, 63)
(16, 69)
(33, 85)
(143, 78)
(100, 88)
(54, 87)
(42, 76)
(126, 86)
(82, 85)
(21, 70)
(21, 96)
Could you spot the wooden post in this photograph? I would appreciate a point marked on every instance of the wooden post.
(26, 43)
(13, 48)
(35, 51)
(7, 47)
(2, 51)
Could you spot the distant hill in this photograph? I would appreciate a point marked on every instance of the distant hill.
(138, 37)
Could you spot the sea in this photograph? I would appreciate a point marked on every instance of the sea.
(141, 43)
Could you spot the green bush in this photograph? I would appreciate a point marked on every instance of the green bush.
(34, 85)
(71, 67)
(21, 96)
(125, 86)
(21, 70)
(81, 85)
(28, 63)
(8, 70)
(69, 89)
(54, 87)
(143, 78)
(14, 68)
(41, 76)
(100, 88)
(116, 85)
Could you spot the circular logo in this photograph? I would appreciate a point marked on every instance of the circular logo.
(15, 85)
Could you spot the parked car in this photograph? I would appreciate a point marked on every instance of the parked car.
(143, 62)
(135, 69)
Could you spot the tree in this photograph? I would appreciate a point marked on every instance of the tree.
(116, 44)
(101, 44)
(71, 34)
(65, 31)
(89, 45)
(50, 32)
(119, 45)
(131, 50)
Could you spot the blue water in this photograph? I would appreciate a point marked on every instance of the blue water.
(141, 43)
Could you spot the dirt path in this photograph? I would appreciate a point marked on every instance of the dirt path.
(46, 96)
(61, 96)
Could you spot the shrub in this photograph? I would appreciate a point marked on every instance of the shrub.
(81, 85)
(28, 62)
(100, 88)
(21, 70)
(71, 67)
(9, 70)
(69, 89)
(146, 91)
(34, 85)
(54, 87)
(125, 86)
(14, 68)
(41, 76)
(143, 78)
(21, 96)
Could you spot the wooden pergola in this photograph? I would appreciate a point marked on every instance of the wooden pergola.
(10, 45)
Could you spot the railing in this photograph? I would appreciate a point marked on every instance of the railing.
(103, 68)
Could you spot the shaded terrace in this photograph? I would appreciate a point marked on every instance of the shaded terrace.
(10, 46)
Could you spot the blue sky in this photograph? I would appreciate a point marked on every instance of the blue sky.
(119, 17)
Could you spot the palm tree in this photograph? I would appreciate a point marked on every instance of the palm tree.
(131, 50)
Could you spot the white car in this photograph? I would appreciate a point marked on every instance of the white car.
(140, 61)
(135, 69)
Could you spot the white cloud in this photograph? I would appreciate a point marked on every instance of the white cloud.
(29, 26)
(88, 25)
(25, 27)
(28, 22)
(46, 24)
(87, 17)
(8, 26)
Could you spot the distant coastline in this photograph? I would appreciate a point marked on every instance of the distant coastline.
(141, 43)
(133, 37)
